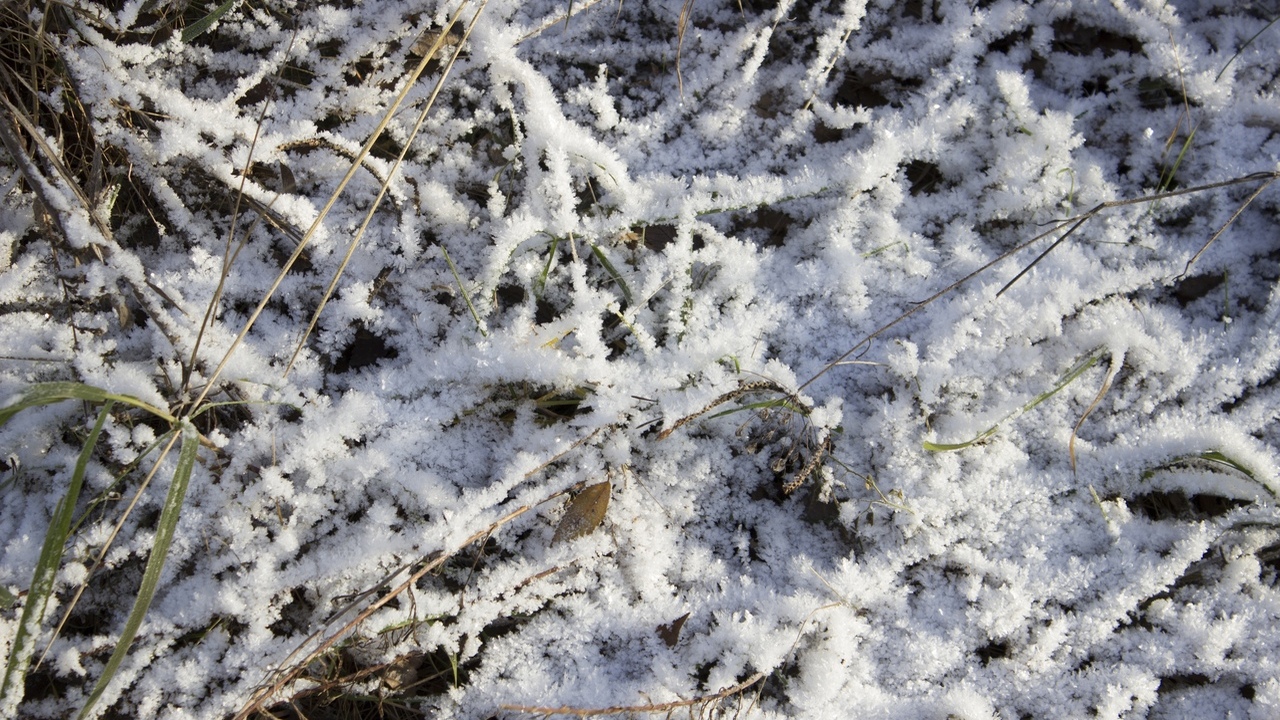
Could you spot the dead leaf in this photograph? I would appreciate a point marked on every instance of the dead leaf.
(670, 633)
(584, 514)
(429, 38)
(403, 671)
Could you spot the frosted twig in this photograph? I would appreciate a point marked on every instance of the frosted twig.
(1075, 223)
(284, 677)
(557, 20)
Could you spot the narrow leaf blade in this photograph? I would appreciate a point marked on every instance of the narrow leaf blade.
(199, 27)
(165, 528)
(55, 541)
(52, 392)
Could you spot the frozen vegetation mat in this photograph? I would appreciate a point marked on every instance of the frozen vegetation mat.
(746, 359)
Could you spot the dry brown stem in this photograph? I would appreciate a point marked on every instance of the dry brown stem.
(292, 668)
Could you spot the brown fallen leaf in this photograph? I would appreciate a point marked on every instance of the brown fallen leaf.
(670, 633)
(585, 513)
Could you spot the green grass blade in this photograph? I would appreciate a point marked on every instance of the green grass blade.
(165, 528)
(546, 269)
(1166, 180)
(761, 405)
(948, 447)
(613, 272)
(55, 542)
(198, 28)
(52, 392)
(1218, 457)
(1076, 371)
(1066, 380)
(466, 298)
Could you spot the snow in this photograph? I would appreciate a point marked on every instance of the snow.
(813, 173)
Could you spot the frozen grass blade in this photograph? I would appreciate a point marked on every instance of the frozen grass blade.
(1066, 380)
(229, 256)
(1217, 457)
(1166, 176)
(613, 272)
(292, 668)
(1248, 201)
(682, 27)
(55, 539)
(1114, 367)
(199, 27)
(743, 389)
(1246, 44)
(155, 564)
(546, 269)
(1074, 223)
(52, 392)
(46, 571)
(784, 403)
(466, 297)
(315, 224)
(1213, 457)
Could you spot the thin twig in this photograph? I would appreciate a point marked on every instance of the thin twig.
(1075, 223)
(283, 677)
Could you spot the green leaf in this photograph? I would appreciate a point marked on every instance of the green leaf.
(546, 269)
(165, 528)
(42, 580)
(198, 28)
(462, 288)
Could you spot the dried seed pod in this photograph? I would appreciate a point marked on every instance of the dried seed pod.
(814, 463)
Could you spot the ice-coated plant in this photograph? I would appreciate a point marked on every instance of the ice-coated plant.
(462, 359)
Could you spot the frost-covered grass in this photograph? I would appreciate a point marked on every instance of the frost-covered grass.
(679, 248)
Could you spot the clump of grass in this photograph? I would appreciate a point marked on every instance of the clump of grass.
(31, 73)
(51, 554)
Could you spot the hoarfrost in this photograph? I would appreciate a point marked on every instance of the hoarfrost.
(621, 250)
